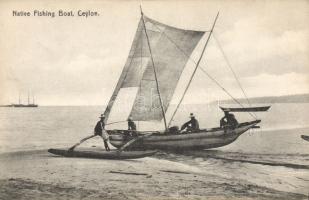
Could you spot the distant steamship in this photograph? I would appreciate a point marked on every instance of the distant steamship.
(29, 104)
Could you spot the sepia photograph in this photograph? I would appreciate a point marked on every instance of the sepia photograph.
(154, 99)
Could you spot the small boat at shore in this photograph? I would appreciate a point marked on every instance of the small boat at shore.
(158, 56)
(305, 137)
(99, 154)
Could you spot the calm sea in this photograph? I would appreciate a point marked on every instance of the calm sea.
(277, 141)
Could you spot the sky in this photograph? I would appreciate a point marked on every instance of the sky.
(78, 60)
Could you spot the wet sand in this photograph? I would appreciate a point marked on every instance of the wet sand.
(40, 175)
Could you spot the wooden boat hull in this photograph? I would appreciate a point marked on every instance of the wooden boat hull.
(202, 139)
(115, 155)
(305, 137)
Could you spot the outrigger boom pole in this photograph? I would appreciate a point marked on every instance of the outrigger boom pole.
(196, 66)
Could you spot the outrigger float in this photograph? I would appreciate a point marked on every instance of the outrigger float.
(99, 154)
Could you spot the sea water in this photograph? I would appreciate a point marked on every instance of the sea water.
(277, 141)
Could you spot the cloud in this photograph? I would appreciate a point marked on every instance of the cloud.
(78, 61)
(253, 47)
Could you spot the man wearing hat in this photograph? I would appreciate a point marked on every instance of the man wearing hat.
(191, 125)
(99, 130)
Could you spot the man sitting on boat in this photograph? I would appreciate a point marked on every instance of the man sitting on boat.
(131, 128)
(191, 125)
(99, 130)
(228, 120)
(131, 124)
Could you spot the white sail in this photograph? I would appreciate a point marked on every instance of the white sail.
(138, 73)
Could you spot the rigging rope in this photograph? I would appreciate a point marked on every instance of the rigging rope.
(232, 70)
(196, 66)
(192, 60)
(217, 83)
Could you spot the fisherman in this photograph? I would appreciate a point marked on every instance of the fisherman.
(131, 124)
(99, 130)
(223, 120)
(228, 120)
(191, 125)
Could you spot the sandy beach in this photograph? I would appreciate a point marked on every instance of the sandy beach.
(40, 175)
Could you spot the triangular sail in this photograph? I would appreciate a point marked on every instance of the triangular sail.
(136, 89)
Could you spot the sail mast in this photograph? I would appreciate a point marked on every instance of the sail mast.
(155, 73)
(196, 66)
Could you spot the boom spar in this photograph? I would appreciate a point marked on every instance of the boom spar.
(196, 66)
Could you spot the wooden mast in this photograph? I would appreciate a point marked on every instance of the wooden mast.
(196, 66)
(155, 73)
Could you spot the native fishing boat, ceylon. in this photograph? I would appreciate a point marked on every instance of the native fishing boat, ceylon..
(158, 56)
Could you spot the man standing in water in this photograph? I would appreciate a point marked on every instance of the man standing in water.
(99, 130)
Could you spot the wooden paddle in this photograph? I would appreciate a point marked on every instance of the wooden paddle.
(133, 141)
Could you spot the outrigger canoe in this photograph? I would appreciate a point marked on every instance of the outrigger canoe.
(158, 57)
(99, 154)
